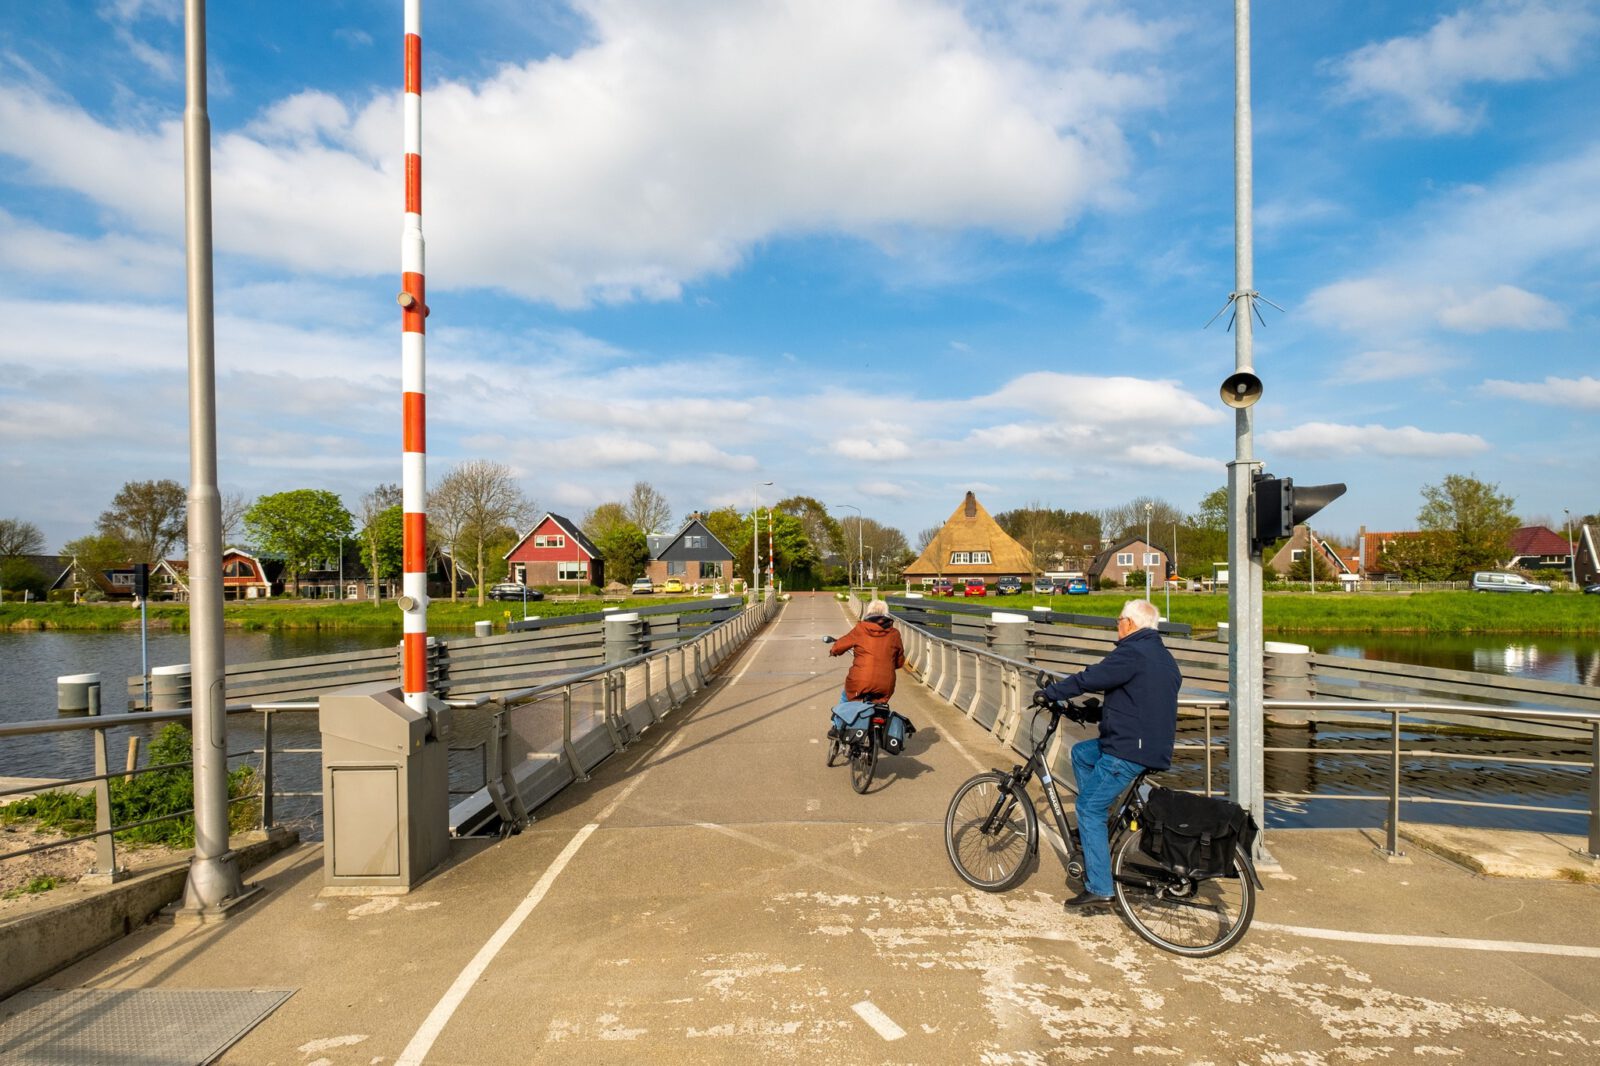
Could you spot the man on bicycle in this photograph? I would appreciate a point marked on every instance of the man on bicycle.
(878, 654)
(1138, 722)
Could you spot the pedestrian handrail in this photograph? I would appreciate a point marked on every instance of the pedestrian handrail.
(996, 692)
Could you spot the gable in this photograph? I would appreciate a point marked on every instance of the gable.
(694, 543)
(970, 532)
(555, 537)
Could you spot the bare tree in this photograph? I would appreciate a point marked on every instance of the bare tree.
(647, 508)
(234, 505)
(447, 519)
(486, 500)
(19, 538)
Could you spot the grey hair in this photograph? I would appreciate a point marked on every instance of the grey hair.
(1142, 614)
(874, 608)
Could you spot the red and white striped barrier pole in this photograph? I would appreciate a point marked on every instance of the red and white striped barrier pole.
(771, 576)
(413, 366)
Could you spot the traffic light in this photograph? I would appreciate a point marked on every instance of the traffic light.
(1278, 506)
(141, 581)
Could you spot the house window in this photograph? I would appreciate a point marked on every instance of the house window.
(549, 540)
(960, 557)
(710, 571)
(1124, 558)
(676, 568)
(694, 540)
(572, 571)
(980, 557)
(122, 580)
(1296, 554)
(520, 574)
(1152, 559)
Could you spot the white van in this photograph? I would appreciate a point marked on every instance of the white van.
(1494, 581)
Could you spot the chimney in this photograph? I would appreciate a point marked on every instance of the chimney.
(971, 510)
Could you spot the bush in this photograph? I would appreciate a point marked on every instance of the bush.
(165, 788)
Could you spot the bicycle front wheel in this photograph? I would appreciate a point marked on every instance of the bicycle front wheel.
(1178, 914)
(989, 831)
(863, 761)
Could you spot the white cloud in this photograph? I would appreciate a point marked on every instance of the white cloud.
(1370, 441)
(654, 155)
(113, 262)
(1497, 42)
(886, 490)
(872, 449)
(1502, 307)
(1085, 401)
(1580, 393)
(1387, 364)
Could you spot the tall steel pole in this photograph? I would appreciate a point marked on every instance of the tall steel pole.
(213, 873)
(413, 379)
(1246, 728)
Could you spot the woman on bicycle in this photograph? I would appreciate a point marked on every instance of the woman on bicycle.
(878, 654)
(1138, 725)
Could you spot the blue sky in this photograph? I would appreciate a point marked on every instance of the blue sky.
(878, 252)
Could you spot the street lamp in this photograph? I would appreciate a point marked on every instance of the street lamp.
(1149, 509)
(755, 541)
(860, 551)
(1572, 546)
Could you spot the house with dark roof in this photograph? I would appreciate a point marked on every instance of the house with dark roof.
(554, 552)
(49, 573)
(1331, 560)
(971, 544)
(693, 555)
(1130, 556)
(1587, 564)
(1538, 548)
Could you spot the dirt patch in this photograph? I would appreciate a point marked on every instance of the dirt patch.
(67, 863)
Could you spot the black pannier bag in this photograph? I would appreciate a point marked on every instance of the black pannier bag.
(1195, 836)
(895, 732)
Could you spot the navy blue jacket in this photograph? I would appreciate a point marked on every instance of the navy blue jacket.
(1140, 681)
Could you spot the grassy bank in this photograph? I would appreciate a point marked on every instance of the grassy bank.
(293, 614)
(1453, 613)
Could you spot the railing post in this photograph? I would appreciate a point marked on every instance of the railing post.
(566, 735)
(1393, 848)
(1208, 749)
(105, 845)
(1594, 790)
(266, 770)
(616, 684)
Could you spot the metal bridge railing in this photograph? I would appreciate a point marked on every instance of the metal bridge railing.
(996, 692)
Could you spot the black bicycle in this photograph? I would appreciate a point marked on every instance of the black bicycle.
(860, 744)
(992, 829)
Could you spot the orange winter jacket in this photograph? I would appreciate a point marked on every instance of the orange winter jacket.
(879, 654)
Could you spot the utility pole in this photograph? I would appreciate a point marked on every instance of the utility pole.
(214, 883)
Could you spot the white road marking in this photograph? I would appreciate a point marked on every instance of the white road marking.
(881, 1023)
(1408, 941)
(439, 1017)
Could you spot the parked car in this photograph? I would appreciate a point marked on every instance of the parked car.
(974, 586)
(942, 587)
(642, 587)
(673, 584)
(1077, 586)
(1008, 586)
(1593, 590)
(510, 590)
(1044, 586)
(1495, 581)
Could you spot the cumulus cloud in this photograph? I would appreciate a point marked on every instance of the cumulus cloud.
(1388, 364)
(1105, 401)
(1502, 307)
(1422, 81)
(1404, 442)
(1363, 305)
(1582, 393)
(654, 155)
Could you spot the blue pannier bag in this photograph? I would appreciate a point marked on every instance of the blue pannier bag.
(859, 716)
(895, 732)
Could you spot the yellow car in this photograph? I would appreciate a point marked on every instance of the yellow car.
(672, 584)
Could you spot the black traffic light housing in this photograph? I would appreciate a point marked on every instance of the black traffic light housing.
(1277, 506)
(141, 580)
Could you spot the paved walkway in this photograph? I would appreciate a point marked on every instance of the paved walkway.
(718, 895)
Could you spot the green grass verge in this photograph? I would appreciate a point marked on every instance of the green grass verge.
(35, 886)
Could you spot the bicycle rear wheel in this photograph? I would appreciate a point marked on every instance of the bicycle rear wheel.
(835, 750)
(1179, 914)
(863, 761)
(990, 830)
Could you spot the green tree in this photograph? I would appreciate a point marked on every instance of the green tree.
(382, 534)
(1203, 539)
(624, 549)
(300, 525)
(149, 517)
(1426, 556)
(733, 529)
(19, 577)
(19, 538)
(1475, 517)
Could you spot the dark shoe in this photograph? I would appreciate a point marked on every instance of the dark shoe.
(1088, 899)
(833, 732)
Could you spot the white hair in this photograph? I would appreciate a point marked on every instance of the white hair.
(1142, 614)
(874, 608)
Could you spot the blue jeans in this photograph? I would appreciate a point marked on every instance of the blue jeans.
(1101, 779)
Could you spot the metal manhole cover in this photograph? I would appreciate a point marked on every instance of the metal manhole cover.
(111, 1026)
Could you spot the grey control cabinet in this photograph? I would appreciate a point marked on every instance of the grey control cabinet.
(385, 788)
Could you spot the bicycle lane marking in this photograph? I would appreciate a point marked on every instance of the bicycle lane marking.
(1410, 941)
(432, 1026)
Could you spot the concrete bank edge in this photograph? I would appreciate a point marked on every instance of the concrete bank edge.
(38, 943)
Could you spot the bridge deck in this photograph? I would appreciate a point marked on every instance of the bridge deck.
(716, 894)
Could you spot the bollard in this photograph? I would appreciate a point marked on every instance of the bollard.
(1008, 635)
(623, 637)
(169, 687)
(482, 629)
(1222, 632)
(1286, 675)
(72, 693)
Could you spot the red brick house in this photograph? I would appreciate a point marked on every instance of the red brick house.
(555, 552)
(1112, 566)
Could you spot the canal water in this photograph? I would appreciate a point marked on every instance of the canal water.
(31, 661)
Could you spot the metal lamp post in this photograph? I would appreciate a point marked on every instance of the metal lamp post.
(1572, 546)
(755, 541)
(1149, 574)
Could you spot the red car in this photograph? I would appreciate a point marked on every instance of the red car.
(942, 587)
(975, 587)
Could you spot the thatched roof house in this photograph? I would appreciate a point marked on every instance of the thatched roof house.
(971, 544)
